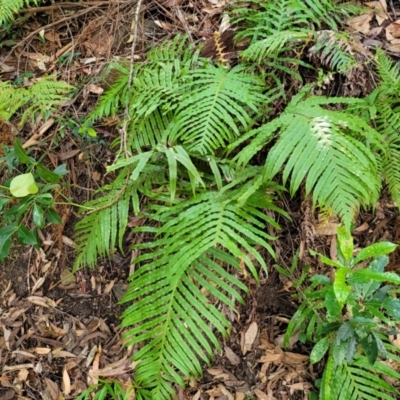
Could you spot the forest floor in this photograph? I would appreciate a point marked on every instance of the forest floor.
(60, 332)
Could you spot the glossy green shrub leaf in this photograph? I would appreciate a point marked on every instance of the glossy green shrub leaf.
(364, 275)
(370, 348)
(53, 217)
(38, 216)
(21, 153)
(28, 237)
(340, 288)
(346, 245)
(375, 250)
(5, 239)
(319, 350)
(46, 174)
(331, 303)
(23, 185)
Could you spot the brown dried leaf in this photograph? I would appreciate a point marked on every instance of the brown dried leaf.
(250, 337)
(67, 277)
(42, 350)
(260, 394)
(361, 23)
(226, 392)
(214, 371)
(361, 228)
(53, 389)
(17, 367)
(232, 356)
(294, 358)
(395, 340)
(271, 357)
(326, 229)
(66, 383)
(380, 9)
(303, 386)
(393, 29)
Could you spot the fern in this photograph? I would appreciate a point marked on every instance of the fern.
(9, 7)
(387, 120)
(328, 150)
(170, 312)
(39, 98)
(335, 50)
(357, 381)
(216, 104)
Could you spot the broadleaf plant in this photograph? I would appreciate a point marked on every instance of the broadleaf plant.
(356, 313)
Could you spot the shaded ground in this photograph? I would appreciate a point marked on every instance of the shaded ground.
(56, 329)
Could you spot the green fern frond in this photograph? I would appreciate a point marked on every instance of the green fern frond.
(39, 98)
(9, 7)
(273, 45)
(387, 120)
(357, 381)
(334, 50)
(217, 102)
(97, 233)
(112, 100)
(269, 17)
(11, 100)
(326, 149)
(45, 94)
(170, 313)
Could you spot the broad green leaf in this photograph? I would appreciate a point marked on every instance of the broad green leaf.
(345, 243)
(23, 185)
(21, 153)
(327, 260)
(345, 332)
(364, 275)
(340, 288)
(5, 239)
(38, 216)
(61, 170)
(46, 174)
(375, 250)
(370, 348)
(53, 217)
(351, 349)
(331, 303)
(27, 237)
(339, 351)
(331, 327)
(319, 350)
(392, 306)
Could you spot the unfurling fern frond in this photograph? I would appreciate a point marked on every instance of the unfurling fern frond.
(178, 282)
(357, 381)
(328, 150)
